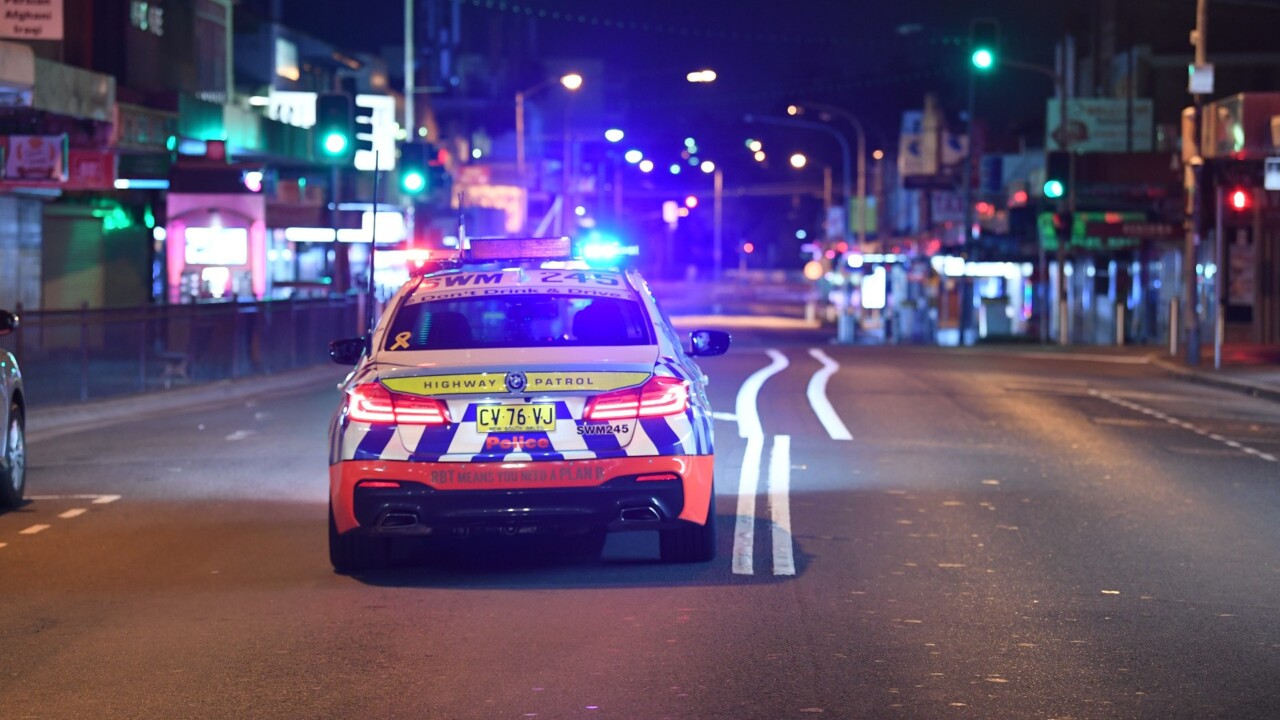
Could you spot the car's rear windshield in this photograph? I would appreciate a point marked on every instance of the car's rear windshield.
(518, 321)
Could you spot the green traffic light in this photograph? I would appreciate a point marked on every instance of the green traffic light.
(983, 59)
(413, 182)
(1053, 189)
(335, 143)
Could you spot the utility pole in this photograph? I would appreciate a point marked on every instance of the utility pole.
(409, 124)
(1190, 314)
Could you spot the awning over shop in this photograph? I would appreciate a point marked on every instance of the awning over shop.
(70, 91)
(17, 72)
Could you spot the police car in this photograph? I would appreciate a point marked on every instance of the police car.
(515, 390)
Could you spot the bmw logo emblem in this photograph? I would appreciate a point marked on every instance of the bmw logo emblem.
(516, 381)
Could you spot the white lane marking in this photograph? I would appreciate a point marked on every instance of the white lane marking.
(97, 499)
(744, 527)
(780, 505)
(725, 416)
(745, 406)
(818, 400)
(1183, 424)
(74, 512)
(3, 545)
(239, 435)
(749, 427)
(33, 530)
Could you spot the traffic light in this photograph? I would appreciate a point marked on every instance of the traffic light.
(984, 44)
(1239, 199)
(334, 131)
(415, 174)
(1057, 173)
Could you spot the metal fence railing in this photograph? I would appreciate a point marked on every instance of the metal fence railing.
(70, 356)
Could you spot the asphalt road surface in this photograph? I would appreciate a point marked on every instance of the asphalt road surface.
(914, 533)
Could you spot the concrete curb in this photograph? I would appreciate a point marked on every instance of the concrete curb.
(45, 422)
(1203, 378)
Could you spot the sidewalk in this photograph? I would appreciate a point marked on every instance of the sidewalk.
(1251, 369)
(44, 422)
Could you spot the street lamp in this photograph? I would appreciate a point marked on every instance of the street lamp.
(570, 81)
(1063, 193)
(861, 136)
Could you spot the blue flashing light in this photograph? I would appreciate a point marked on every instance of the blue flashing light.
(675, 168)
(614, 135)
(634, 156)
(602, 249)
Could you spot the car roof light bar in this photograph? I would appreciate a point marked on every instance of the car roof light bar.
(518, 249)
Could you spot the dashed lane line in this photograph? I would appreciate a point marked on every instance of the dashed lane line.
(94, 499)
(1234, 444)
(66, 514)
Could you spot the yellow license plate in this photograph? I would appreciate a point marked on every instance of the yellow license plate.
(533, 417)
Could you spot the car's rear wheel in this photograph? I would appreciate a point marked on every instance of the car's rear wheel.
(355, 552)
(13, 471)
(692, 543)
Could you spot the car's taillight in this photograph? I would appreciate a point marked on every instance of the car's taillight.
(373, 403)
(658, 397)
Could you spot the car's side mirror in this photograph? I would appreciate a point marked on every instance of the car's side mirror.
(347, 351)
(8, 322)
(705, 343)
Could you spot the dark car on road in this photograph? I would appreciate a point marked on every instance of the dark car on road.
(13, 449)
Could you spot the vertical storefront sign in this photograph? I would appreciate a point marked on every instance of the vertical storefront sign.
(30, 19)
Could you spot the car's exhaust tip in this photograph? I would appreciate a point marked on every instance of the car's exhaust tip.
(639, 515)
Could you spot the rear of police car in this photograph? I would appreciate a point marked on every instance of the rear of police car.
(522, 398)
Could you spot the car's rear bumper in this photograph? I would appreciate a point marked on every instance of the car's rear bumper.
(615, 493)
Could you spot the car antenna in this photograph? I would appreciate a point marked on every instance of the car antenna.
(463, 243)
(371, 291)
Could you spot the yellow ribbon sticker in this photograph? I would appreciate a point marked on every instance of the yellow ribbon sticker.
(402, 341)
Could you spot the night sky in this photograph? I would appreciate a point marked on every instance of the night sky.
(874, 59)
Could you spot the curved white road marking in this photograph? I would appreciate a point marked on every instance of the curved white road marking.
(749, 479)
(818, 400)
(745, 406)
(780, 505)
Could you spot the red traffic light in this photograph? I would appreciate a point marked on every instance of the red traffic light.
(1239, 199)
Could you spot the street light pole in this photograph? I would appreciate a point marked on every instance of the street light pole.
(844, 144)
(717, 215)
(571, 82)
(861, 136)
(409, 117)
(1067, 204)
(1191, 252)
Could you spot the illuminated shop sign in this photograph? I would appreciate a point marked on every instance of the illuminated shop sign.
(147, 17)
(217, 246)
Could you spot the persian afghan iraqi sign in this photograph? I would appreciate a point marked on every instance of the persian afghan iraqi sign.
(31, 19)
